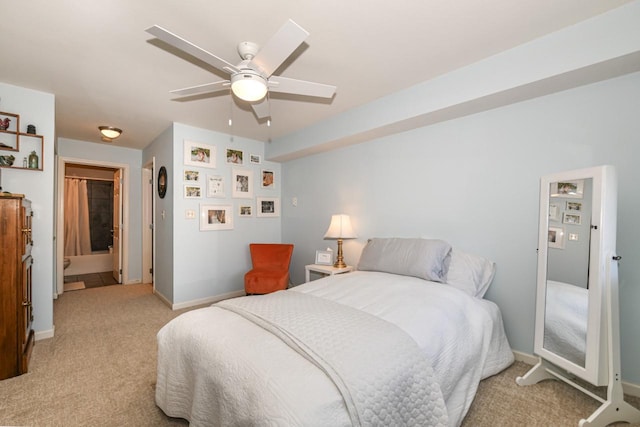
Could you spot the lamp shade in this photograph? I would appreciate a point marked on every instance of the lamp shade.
(249, 86)
(340, 228)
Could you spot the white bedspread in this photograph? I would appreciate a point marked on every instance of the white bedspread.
(217, 368)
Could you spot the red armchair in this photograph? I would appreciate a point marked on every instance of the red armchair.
(270, 271)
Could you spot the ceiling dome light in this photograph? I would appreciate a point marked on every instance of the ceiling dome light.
(109, 133)
(249, 85)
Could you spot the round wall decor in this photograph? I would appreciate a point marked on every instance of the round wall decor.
(162, 182)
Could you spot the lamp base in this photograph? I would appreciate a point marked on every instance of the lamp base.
(340, 258)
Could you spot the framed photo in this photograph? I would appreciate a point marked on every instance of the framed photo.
(556, 237)
(568, 189)
(554, 212)
(216, 217)
(199, 154)
(242, 184)
(268, 206)
(191, 176)
(245, 210)
(268, 179)
(324, 257)
(574, 206)
(192, 191)
(572, 218)
(235, 157)
(215, 186)
(255, 159)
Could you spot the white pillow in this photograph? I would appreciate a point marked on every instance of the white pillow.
(470, 273)
(424, 258)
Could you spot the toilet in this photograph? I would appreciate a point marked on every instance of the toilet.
(67, 262)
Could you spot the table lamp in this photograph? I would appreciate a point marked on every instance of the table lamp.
(340, 229)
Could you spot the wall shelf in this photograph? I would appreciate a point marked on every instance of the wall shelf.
(19, 144)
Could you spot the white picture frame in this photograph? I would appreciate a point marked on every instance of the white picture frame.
(245, 210)
(255, 159)
(571, 218)
(242, 184)
(324, 257)
(191, 176)
(568, 189)
(268, 179)
(554, 212)
(235, 157)
(216, 217)
(215, 186)
(192, 191)
(199, 154)
(268, 207)
(556, 237)
(574, 206)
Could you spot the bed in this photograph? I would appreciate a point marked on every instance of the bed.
(565, 324)
(370, 347)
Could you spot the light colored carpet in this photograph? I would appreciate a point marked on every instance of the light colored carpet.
(99, 370)
(74, 286)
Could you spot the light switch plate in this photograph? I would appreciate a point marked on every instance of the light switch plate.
(190, 214)
(573, 236)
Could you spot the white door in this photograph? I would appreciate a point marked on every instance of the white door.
(117, 227)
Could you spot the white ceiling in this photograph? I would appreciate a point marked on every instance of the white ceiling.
(104, 69)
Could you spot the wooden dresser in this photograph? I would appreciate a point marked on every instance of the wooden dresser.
(16, 312)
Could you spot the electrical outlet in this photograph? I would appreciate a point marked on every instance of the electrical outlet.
(294, 201)
(190, 214)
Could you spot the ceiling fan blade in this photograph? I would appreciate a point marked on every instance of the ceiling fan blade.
(281, 84)
(205, 88)
(279, 47)
(193, 50)
(261, 109)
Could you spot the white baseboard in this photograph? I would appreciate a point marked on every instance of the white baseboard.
(43, 335)
(201, 301)
(629, 388)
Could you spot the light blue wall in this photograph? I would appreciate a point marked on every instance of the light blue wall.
(36, 108)
(113, 154)
(206, 264)
(162, 150)
(474, 181)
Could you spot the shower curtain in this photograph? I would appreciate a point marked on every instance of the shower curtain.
(77, 237)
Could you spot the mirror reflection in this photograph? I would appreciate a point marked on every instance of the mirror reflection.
(569, 235)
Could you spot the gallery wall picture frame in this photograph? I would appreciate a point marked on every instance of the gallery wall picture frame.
(556, 237)
(571, 218)
(215, 186)
(568, 189)
(324, 257)
(255, 159)
(268, 207)
(191, 175)
(245, 210)
(574, 206)
(216, 217)
(235, 157)
(242, 184)
(192, 191)
(554, 212)
(268, 179)
(199, 154)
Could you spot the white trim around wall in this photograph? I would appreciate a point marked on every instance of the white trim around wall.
(201, 301)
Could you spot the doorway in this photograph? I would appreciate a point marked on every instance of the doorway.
(94, 255)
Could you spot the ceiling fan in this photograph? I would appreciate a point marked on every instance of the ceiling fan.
(251, 78)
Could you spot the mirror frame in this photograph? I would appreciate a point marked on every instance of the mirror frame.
(602, 248)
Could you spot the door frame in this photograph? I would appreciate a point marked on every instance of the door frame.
(124, 244)
(148, 228)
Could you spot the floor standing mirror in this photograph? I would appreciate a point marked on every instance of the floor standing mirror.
(577, 317)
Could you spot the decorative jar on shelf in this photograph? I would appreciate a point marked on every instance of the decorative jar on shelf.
(33, 160)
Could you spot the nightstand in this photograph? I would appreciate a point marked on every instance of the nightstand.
(328, 270)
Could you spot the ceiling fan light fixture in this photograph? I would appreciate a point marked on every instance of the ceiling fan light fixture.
(249, 86)
(109, 133)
